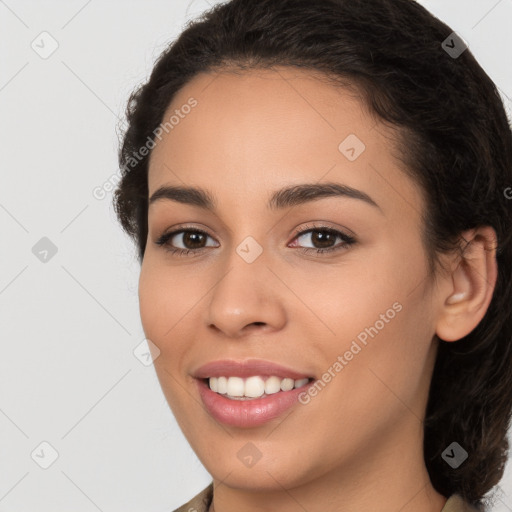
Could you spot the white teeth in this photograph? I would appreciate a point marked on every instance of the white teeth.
(235, 386)
(287, 384)
(272, 385)
(222, 385)
(253, 387)
(301, 382)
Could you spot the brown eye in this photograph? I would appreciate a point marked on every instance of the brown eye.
(191, 240)
(324, 239)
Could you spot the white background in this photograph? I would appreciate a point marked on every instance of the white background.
(68, 327)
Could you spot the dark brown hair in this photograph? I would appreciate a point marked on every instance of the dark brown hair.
(455, 140)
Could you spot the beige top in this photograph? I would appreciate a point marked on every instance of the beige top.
(202, 501)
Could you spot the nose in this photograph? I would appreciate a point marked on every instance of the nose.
(246, 299)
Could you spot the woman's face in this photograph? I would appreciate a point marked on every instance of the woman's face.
(357, 321)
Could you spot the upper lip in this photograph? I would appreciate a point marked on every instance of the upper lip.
(246, 368)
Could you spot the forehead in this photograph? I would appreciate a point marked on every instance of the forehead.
(258, 130)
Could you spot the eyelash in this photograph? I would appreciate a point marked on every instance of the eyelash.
(163, 241)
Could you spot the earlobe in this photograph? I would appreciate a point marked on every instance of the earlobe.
(470, 285)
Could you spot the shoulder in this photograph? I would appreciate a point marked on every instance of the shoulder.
(199, 503)
(455, 503)
(202, 501)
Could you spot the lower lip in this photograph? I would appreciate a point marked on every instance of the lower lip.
(248, 413)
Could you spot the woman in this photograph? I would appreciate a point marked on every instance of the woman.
(317, 191)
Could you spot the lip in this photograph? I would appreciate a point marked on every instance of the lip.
(247, 368)
(248, 413)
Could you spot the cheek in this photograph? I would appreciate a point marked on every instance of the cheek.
(169, 304)
(162, 313)
(151, 300)
(162, 302)
(366, 289)
(380, 315)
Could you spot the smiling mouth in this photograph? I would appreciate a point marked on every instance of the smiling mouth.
(250, 388)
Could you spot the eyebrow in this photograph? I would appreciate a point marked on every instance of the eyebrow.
(284, 198)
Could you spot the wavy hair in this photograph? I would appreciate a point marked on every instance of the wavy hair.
(453, 137)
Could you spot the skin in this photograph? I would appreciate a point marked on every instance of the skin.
(357, 445)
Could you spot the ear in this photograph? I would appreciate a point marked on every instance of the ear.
(469, 286)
